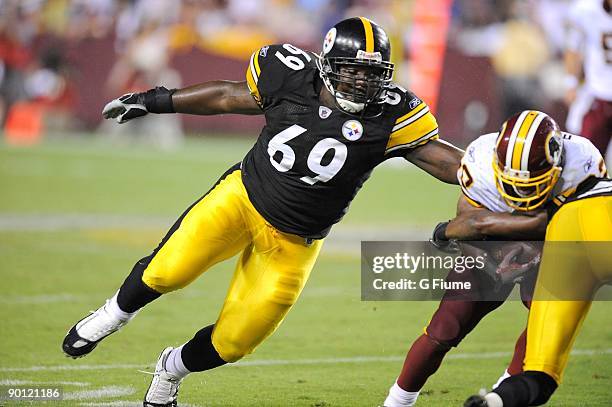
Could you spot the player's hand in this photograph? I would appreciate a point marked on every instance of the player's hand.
(440, 241)
(126, 107)
(517, 262)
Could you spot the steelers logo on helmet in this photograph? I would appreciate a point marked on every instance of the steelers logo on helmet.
(352, 130)
(355, 66)
(328, 42)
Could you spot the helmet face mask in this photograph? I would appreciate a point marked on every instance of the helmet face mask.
(354, 65)
(528, 157)
(360, 82)
(525, 193)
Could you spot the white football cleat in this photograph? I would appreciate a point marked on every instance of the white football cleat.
(89, 331)
(164, 387)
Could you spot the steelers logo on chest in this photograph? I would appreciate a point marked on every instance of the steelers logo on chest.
(352, 130)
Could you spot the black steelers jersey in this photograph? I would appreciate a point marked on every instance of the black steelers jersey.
(310, 160)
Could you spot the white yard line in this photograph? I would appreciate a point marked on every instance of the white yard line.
(295, 362)
(103, 392)
(40, 299)
(344, 239)
(68, 367)
(9, 382)
(122, 403)
(119, 403)
(20, 222)
(11, 222)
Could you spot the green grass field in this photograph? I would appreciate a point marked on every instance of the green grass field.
(76, 214)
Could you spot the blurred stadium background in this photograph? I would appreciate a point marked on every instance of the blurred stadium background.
(475, 61)
(81, 200)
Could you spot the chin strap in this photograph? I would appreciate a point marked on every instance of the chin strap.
(349, 106)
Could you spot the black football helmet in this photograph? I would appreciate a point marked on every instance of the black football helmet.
(355, 64)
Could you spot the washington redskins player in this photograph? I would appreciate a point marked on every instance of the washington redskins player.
(588, 64)
(537, 166)
(512, 182)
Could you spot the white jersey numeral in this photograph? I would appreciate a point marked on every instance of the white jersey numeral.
(292, 61)
(328, 171)
(325, 172)
(277, 144)
(393, 98)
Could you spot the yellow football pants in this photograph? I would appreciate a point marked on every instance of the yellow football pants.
(268, 277)
(568, 271)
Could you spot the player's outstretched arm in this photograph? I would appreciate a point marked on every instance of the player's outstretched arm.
(215, 97)
(439, 158)
(208, 98)
(474, 223)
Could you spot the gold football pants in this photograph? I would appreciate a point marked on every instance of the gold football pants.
(268, 277)
(568, 271)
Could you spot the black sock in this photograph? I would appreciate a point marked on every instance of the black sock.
(199, 354)
(134, 293)
(529, 388)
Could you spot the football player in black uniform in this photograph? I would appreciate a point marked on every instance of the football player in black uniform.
(330, 119)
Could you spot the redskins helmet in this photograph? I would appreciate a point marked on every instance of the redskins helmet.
(354, 64)
(528, 159)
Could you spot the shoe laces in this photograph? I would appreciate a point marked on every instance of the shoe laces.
(164, 387)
